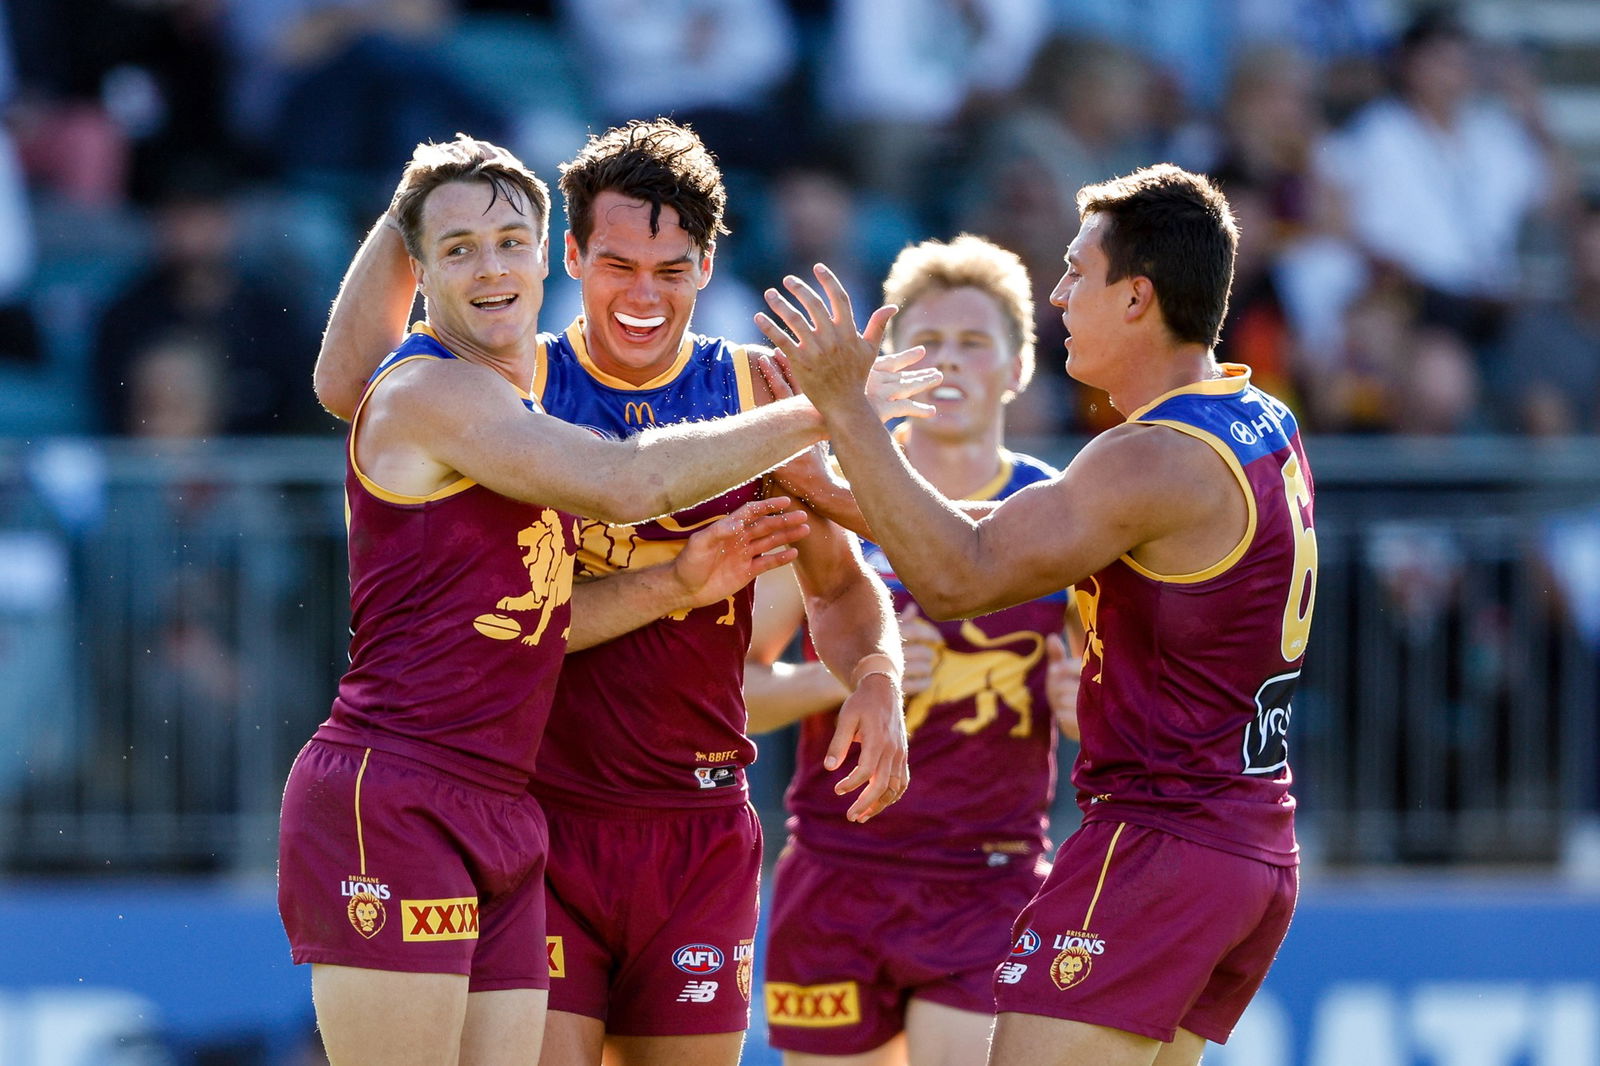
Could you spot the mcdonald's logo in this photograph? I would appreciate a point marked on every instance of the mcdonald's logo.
(639, 414)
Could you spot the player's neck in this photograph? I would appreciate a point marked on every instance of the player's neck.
(957, 466)
(515, 364)
(1173, 369)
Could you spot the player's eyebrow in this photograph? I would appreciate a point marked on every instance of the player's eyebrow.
(458, 233)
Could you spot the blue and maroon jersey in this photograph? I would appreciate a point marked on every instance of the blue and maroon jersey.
(656, 717)
(982, 740)
(459, 616)
(1184, 704)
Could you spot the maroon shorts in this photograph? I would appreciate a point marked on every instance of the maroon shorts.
(1143, 931)
(653, 918)
(390, 864)
(848, 948)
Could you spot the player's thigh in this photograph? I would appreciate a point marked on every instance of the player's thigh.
(1035, 1040)
(504, 1027)
(389, 1018)
(572, 1039)
(941, 1035)
(1185, 1050)
(701, 1049)
(892, 1053)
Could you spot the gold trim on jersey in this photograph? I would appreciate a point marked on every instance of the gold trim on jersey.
(1105, 867)
(1226, 562)
(374, 489)
(541, 373)
(744, 376)
(574, 335)
(1236, 378)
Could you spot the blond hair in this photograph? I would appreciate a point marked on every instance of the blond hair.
(969, 262)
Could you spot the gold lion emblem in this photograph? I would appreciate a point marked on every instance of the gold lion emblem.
(367, 914)
(741, 976)
(544, 553)
(1070, 968)
(992, 677)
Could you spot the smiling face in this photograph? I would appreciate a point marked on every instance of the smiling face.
(482, 268)
(966, 335)
(1094, 312)
(638, 289)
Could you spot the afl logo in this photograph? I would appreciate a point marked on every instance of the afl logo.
(1026, 944)
(697, 958)
(1242, 433)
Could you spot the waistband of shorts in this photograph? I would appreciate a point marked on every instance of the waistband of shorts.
(1142, 816)
(914, 869)
(479, 772)
(639, 807)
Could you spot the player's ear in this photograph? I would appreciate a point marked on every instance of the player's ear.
(419, 273)
(572, 256)
(707, 263)
(1141, 298)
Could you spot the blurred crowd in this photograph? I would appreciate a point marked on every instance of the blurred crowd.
(181, 181)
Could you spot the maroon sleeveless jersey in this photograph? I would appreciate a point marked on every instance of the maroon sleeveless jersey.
(1184, 704)
(459, 618)
(655, 717)
(982, 741)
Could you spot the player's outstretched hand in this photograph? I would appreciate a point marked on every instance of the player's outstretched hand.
(809, 476)
(727, 555)
(1062, 670)
(832, 363)
(920, 642)
(871, 717)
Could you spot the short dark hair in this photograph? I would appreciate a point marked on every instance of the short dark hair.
(466, 159)
(660, 162)
(1175, 228)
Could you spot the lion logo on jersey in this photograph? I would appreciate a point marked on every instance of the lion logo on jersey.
(366, 913)
(1070, 967)
(605, 549)
(549, 578)
(1093, 648)
(990, 677)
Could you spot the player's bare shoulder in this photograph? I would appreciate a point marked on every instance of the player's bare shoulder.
(1191, 508)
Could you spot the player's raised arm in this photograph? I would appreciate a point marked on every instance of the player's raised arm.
(1106, 502)
(430, 420)
(368, 318)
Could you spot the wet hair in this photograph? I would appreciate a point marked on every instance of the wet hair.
(660, 162)
(1175, 228)
(466, 159)
(969, 262)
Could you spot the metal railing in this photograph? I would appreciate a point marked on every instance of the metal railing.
(173, 623)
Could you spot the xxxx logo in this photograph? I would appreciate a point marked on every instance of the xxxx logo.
(558, 955)
(813, 1006)
(440, 919)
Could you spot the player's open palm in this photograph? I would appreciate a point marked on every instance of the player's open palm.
(830, 361)
(727, 555)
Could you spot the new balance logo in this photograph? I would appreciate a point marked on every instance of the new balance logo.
(698, 992)
(1011, 972)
